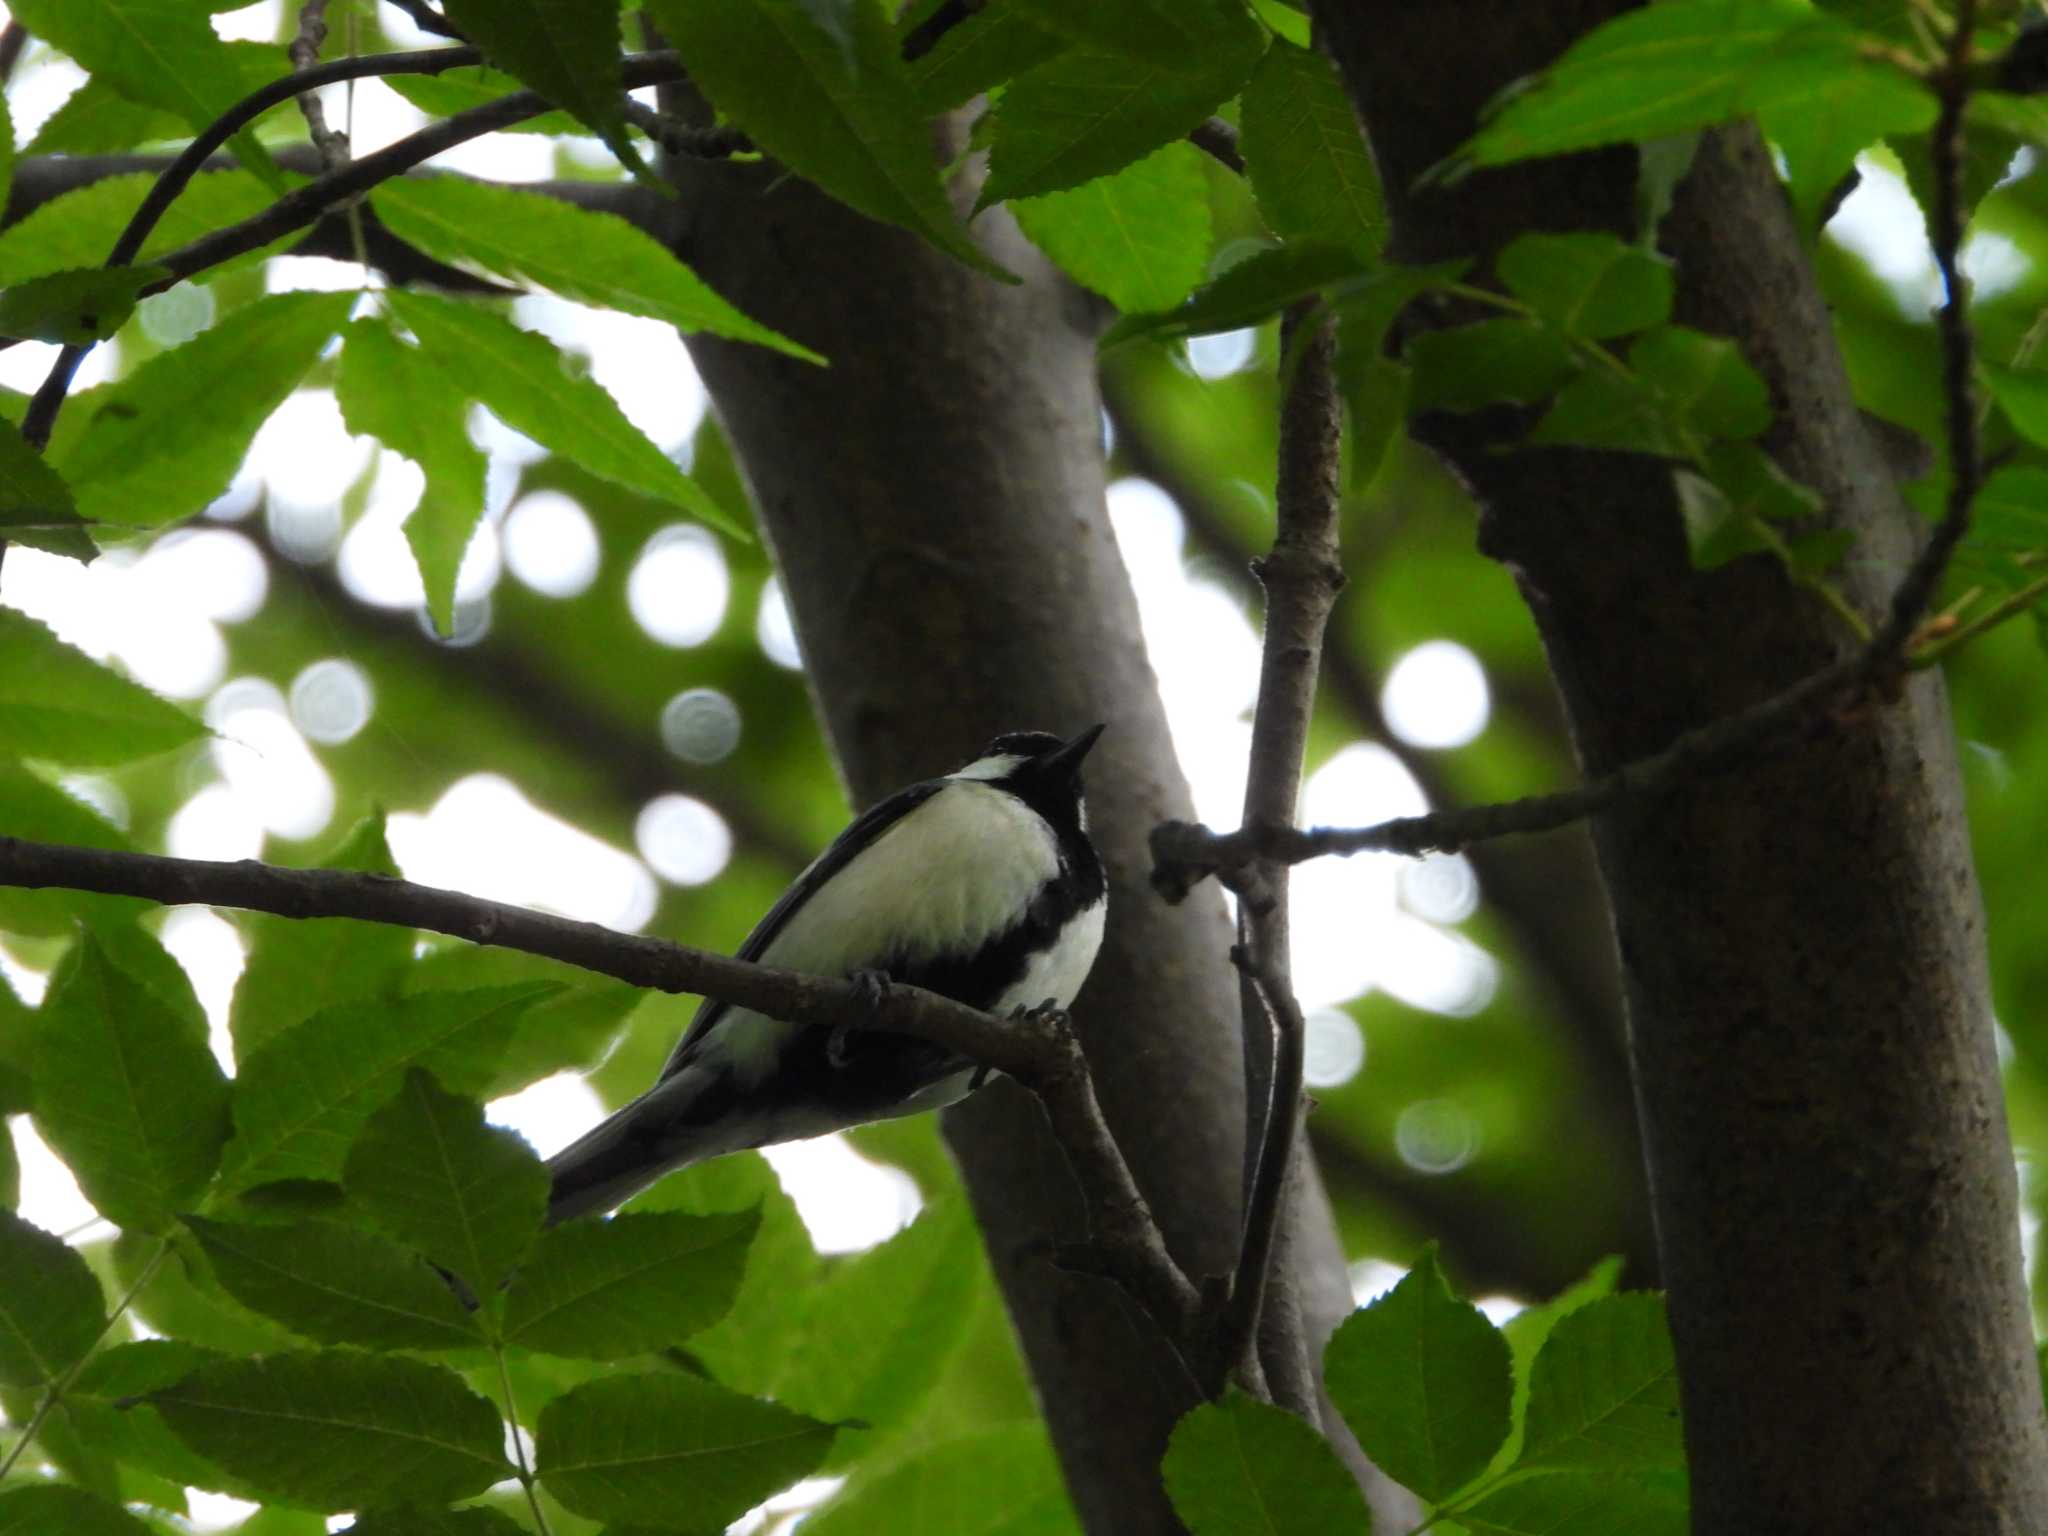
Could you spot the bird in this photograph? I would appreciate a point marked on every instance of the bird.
(982, 885)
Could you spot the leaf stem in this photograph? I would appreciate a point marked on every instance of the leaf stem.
(2013, 602)
(526, 1478)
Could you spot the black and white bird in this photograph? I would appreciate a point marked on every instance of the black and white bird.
(981, 885)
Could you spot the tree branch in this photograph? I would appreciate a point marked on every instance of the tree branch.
(1302, 576)
(304, 52)
(1041, 1050)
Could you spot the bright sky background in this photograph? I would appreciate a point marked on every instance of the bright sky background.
(1362, 923)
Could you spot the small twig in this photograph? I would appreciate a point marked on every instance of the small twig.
(1040, 1051)
(924, 37)
(1302, 577)
(716, 142)
(1218, 140)
(304, 53)
(1183, 854)
(13, 39)
(427, 19)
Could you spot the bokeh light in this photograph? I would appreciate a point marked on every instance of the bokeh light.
(682, 839)
(700, 725)
(331, 700)
(678, 587)
(1436, 696)
(551, 545)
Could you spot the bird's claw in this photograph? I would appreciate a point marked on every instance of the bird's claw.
(870, 987)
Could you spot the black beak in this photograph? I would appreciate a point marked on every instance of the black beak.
(1064, 761)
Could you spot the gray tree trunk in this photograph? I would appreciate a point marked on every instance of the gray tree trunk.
(1801, 939)
(935, 504)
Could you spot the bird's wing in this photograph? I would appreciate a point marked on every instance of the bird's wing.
(861, 834)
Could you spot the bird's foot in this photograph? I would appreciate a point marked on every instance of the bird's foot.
(870, 987)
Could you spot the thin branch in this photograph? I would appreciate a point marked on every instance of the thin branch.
(1183, 853)
(1041, 1051)
(305, 205)
(304, 53)
(1302, 577)
(1218, 140)
(719, 141)
(13, 39)
(427, 19)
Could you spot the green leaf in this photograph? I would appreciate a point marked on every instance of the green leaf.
(567, 1032)
(2023, 397)
(127, 1092)
(35, 504)
(1589, 285)
(639, 1282)
(457, 90)
(1254, 290)
(336, 1284)
(1308, 162)
(1140, 238)
(10, 1174)
(84, 305)
(474, 1521)
(33, 808)
(102, 1405)
(1086, 113)
(1666, 68)
(1176, 34)
(1847, 111)
(1486, 363)
(56, 1510)
(1240, 1467)
(333, 1429)
(391, 390)
(1424, 1381)
(51, 1310)
(581, 253)
(528, 384)
(1604, 1391)
(884, 1323)
(79, 228)
(297, 966)
(849, 123)
(2012, 510)
(1705, 380)
(943, 1490)
(469, 1196)
(1742, 487)
(1600, 409)
(635, 1449)
(96, 119)
(1582, 1504)
(568, 50)
(17, 1025)
(57, 703)
(986, 48)
(158, 54)
(167, 439)
(301, 1099)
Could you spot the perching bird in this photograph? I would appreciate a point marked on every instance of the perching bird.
(981, 885)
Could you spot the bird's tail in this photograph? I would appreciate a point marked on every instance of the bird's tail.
(680, 1120)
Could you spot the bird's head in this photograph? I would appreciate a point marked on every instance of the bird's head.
(1041, 769)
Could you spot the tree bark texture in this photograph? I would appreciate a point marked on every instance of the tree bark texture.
(1801, 939)
(935, 503)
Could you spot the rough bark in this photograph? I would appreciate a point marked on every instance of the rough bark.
(935, 503)
(1801, 941)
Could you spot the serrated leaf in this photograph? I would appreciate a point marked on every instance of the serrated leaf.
(1488, 362)
(102, 1405)
(1742, 487)
(166, 440)
(568, 50)
(1708, 384)
(1847, 111)
(1604, 1390)
(884, 1323)
(391, 390)
(126, 1093)
(943, 1490)
(983, 50)
(336, 1284)
(1600, 409)
(33, 808)
(849, 123)
(1424, 1381)
(1086, 113)
(83, 305)
(1177, 34)
(469, 1196)
(17, 1025)
(639, 1282)
(1667, 68)
(1140, 238)
(581, 253)
(1582, 1504)
(36, 508)
(57, 703)
(56, 1510)
(1240, 1467)
(297, 966)
(526, 381)
(634, 1449)
(96, 119)
(564, 1033)
(332, 1429)
(78, 228)
(1306, 156)
(1588, 284)
(300, 1100)
(1252, 291)
(51, 1310)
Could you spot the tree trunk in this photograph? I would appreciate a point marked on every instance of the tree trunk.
(935, 503)
(1801, 939)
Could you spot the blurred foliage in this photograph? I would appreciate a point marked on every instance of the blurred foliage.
(896, 1365)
